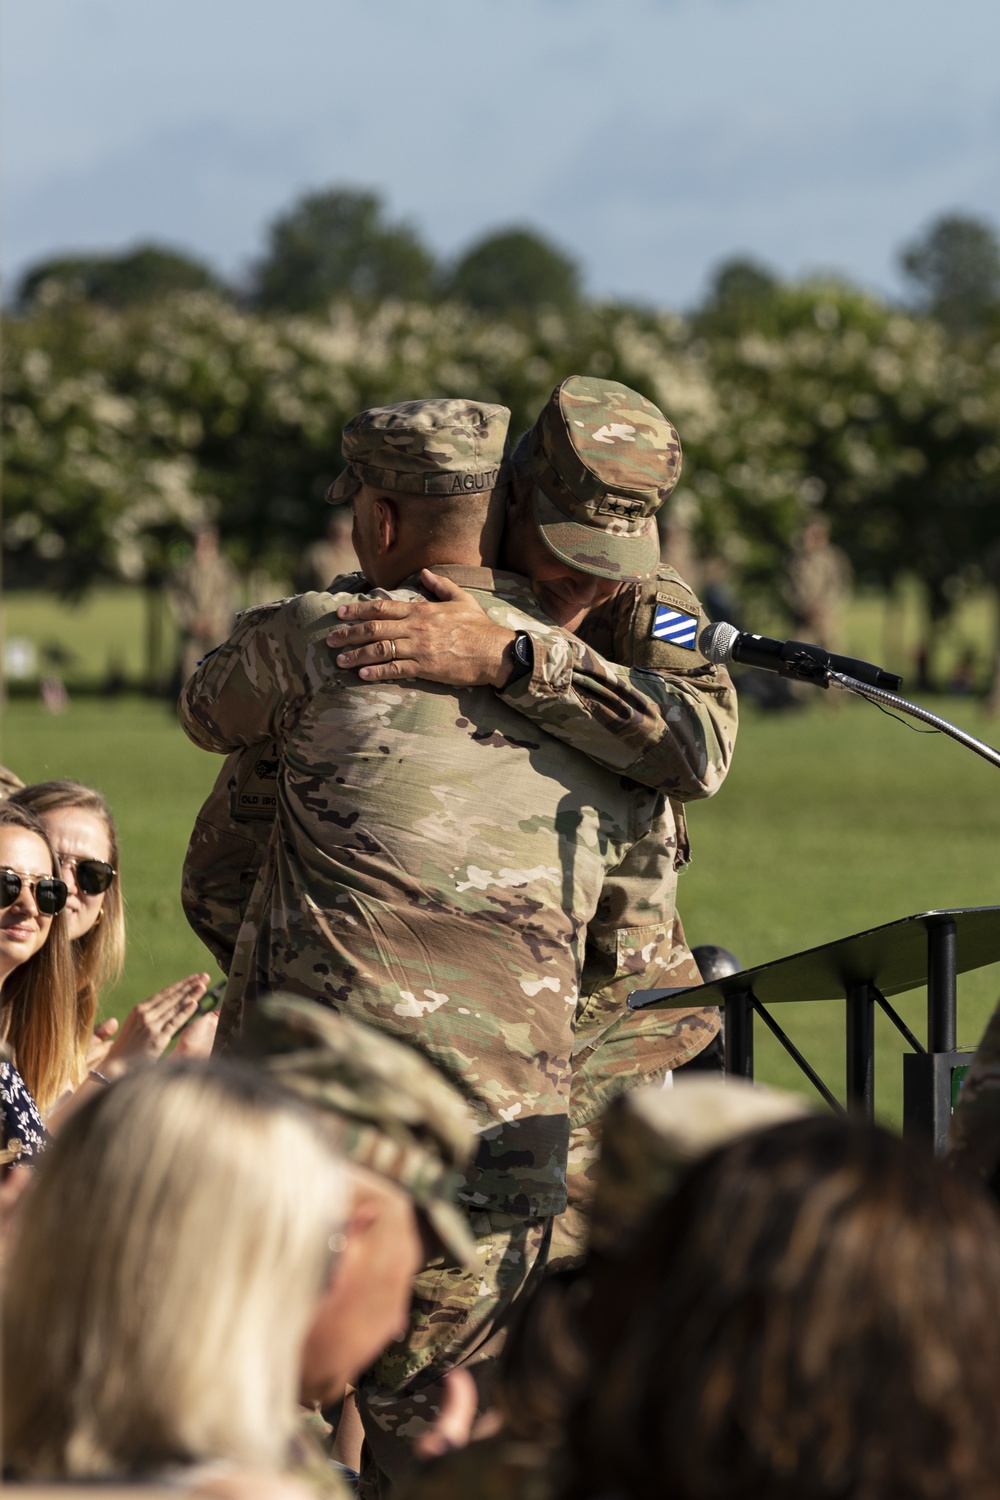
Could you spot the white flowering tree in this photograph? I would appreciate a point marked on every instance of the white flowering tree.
(126, 430)
(839, 403)
(86, 495)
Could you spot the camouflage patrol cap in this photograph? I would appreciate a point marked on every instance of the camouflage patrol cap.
(649, 1136)
(602, 460)
(397, 1115)
(441, 446)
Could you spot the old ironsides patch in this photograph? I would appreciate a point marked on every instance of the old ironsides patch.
(674, 626)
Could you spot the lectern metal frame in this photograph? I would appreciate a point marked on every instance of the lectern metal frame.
(928, 949)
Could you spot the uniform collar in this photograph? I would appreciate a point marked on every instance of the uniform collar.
(490, 580)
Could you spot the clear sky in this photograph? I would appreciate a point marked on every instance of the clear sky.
(652, 138)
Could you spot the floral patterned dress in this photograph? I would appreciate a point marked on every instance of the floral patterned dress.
(24, 1135)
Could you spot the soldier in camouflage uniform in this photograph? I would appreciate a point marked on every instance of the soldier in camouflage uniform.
(585, 458)
(361, 955)
(673, 732)
(818, 586)
(202, 595)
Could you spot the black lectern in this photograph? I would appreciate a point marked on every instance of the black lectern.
(930, 949)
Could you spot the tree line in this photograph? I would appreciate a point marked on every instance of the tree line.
(329, 245)
(144, 398)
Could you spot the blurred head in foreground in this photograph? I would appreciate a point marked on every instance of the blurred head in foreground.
(649, 1138)
(812, 1313)
(164, 1277)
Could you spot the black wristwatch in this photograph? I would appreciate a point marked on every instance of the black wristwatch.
(524, 658)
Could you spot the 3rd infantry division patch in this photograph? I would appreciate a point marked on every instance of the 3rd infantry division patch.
(675, 626)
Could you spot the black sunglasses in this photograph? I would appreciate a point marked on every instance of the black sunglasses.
(49, 893)
(93, 876)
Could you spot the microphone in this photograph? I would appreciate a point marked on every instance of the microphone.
(723, 643)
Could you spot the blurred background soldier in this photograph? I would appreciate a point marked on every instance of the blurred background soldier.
(203, 594)
(818, 586)
(677, 545)
(328, 558)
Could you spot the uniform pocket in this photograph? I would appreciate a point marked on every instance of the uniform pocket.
(619, 960)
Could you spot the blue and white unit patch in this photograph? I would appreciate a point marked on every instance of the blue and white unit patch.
(675, 627)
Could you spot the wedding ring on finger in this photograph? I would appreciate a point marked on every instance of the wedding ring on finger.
(392, 648)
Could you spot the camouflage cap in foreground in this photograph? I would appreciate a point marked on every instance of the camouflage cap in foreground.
(651, 1135)
(398, 1115)
(603, 460)
(442, 446)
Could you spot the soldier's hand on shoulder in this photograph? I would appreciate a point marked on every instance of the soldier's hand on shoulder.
(453, 641)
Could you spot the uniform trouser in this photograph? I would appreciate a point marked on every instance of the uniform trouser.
(458, 1318)
(640, 1049)
(571, 1229)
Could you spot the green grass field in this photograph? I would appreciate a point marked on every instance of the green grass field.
(136, 753)
(104, 634)
(832, 820)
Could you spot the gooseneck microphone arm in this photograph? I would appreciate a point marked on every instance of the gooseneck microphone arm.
(892, 700)
(723, 643)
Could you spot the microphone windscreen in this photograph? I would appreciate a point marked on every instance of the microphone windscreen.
(717, 642)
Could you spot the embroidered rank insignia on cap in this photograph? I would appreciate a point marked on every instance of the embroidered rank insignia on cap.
(675, 627)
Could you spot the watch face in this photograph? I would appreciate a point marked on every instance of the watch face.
(522, 648)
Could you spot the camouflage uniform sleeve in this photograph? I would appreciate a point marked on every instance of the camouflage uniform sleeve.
(231, 832)
(229, 706)
(636, 940)
(248, 687)
(668, 720)
(227, 847)
(237, 694)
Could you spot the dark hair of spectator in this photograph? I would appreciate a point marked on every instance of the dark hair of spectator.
(543, 1361)
(813, 1314)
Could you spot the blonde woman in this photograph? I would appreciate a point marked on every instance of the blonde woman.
(37, 987)
(82, 829)
(164, 1277)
